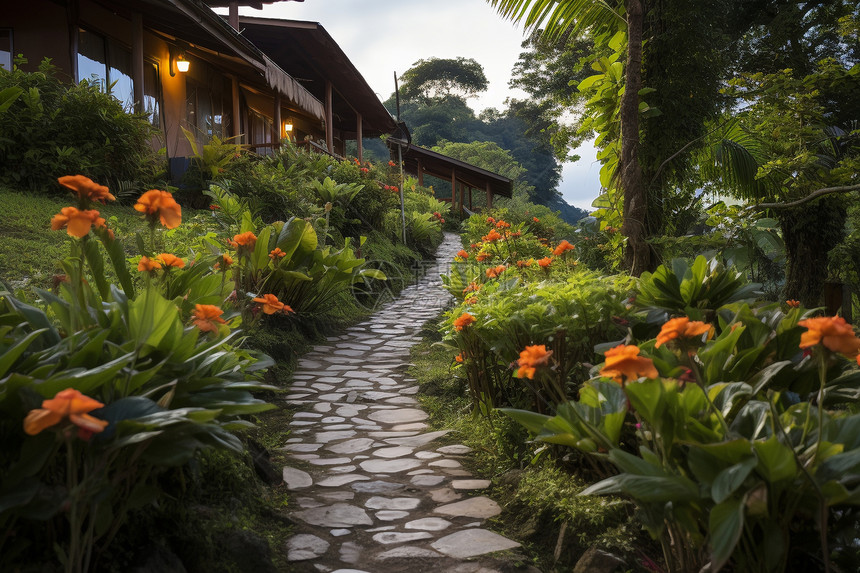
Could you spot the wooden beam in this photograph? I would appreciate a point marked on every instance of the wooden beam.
(489, 196)
(137, 69)
(237, 120)
(233, 15)
(358, 136)
(329, 119)
(277, 121)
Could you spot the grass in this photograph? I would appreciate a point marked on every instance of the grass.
(540, 483)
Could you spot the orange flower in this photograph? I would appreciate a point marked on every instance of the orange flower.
(681, 328)
(86, 188)
(535, 219)
(224, 262)
(793, 303)
(496, 271)
(471, 300)
(160, 205)
(831, 331)
(277, 253)
(463, 320)
(246, 239)
(624, 364)
(77, 222)
(473, 287)
(481, 257)
(147, 265)
(68, 403)
(562, 247)
(169, 260)
(491, 237)
(463, 254)
(530, 359)
(491, 221)
(545, 262)
(459, 358)
(503, 225)
(521, 264)
(207, 317)
(271, 304)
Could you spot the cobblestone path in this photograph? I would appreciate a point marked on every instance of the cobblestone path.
(374, 491)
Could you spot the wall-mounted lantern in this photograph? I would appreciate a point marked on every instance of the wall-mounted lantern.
(178, 63)
(287, 129)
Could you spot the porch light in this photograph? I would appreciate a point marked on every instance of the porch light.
(182, 64)
(287, 129)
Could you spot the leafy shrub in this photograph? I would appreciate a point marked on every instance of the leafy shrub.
(52, 129)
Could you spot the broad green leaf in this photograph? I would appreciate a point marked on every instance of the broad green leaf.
(14, 352)
(776, 461)
(532, 421)
(726, 523)
(731, 478)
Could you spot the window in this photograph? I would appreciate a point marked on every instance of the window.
(205, 103)
(6, 49)
(94, 55)
(152, 93)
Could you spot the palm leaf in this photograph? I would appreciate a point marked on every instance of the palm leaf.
(560, 17)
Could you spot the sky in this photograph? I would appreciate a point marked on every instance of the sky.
(382, 37)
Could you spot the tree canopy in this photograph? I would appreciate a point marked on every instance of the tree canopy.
(441, 78)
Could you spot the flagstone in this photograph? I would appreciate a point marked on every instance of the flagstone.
(457, 449)
(390, 515)
(337, 481)
(337, 515)
(400, 503)
(353, 446)
(428, 524)
(427, 480)
(479, 507)
(465, 484)
(472, 542)
(296, 478)
(390, 537)
(393, 452)
(407, 551)
(399, 416)
(389, 466)
(377, 486)
(417, 441)
(304, 546)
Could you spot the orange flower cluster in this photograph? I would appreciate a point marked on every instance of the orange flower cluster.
(535, 219)
(522, 264)
(247, 240)
(207, 317)
(562, 247)
(471, 300)
(681, 327)
(463, 320)
(473, 287)
(503, 225)
(277, 253)
(462, 254)
(832, 332)
(491, 237)
(169, 260)
(481, 257)
(160, 205)
(494, 272)
(459, 358)
(545, 262)
(530, 359)
(77, 222)
(793, 303)
(86, 188)
(491, 221)
(224, 262)
(68, 403)
(147, 265)
(271, 304)
(624, 364)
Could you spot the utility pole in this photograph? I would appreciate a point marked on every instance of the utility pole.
(400, 162)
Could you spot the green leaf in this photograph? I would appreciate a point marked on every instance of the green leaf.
(731, 478)
(776, 461)
(532, 421)
(14, 352)
(726, 523)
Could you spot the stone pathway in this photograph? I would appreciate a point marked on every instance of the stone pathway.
(373, 489)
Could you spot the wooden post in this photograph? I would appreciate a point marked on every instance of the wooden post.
(237, 121)
(277, 119)
(358, 136)
(420, 174)
(462, 193)
(137, 68)
(453, 189)
(489, 196)
(233, 15)
(72, 21)
(329, 119)
(470, 198)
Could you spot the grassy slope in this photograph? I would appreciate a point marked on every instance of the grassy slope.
(541, 490)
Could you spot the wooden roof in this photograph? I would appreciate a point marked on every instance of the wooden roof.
(307, 52)
(443, 167)
(258, 4)
(193, 22)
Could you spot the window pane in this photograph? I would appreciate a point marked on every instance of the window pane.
(6, 49)
(151, 93)
(91, 59)
(121, 85)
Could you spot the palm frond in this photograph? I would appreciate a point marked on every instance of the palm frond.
(734, 160)
(558, 17)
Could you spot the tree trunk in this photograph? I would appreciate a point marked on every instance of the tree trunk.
(810, 233)
(638, 252)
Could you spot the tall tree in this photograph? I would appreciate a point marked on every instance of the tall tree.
(441, 78)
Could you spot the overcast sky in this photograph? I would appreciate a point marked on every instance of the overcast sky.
(383, 37)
